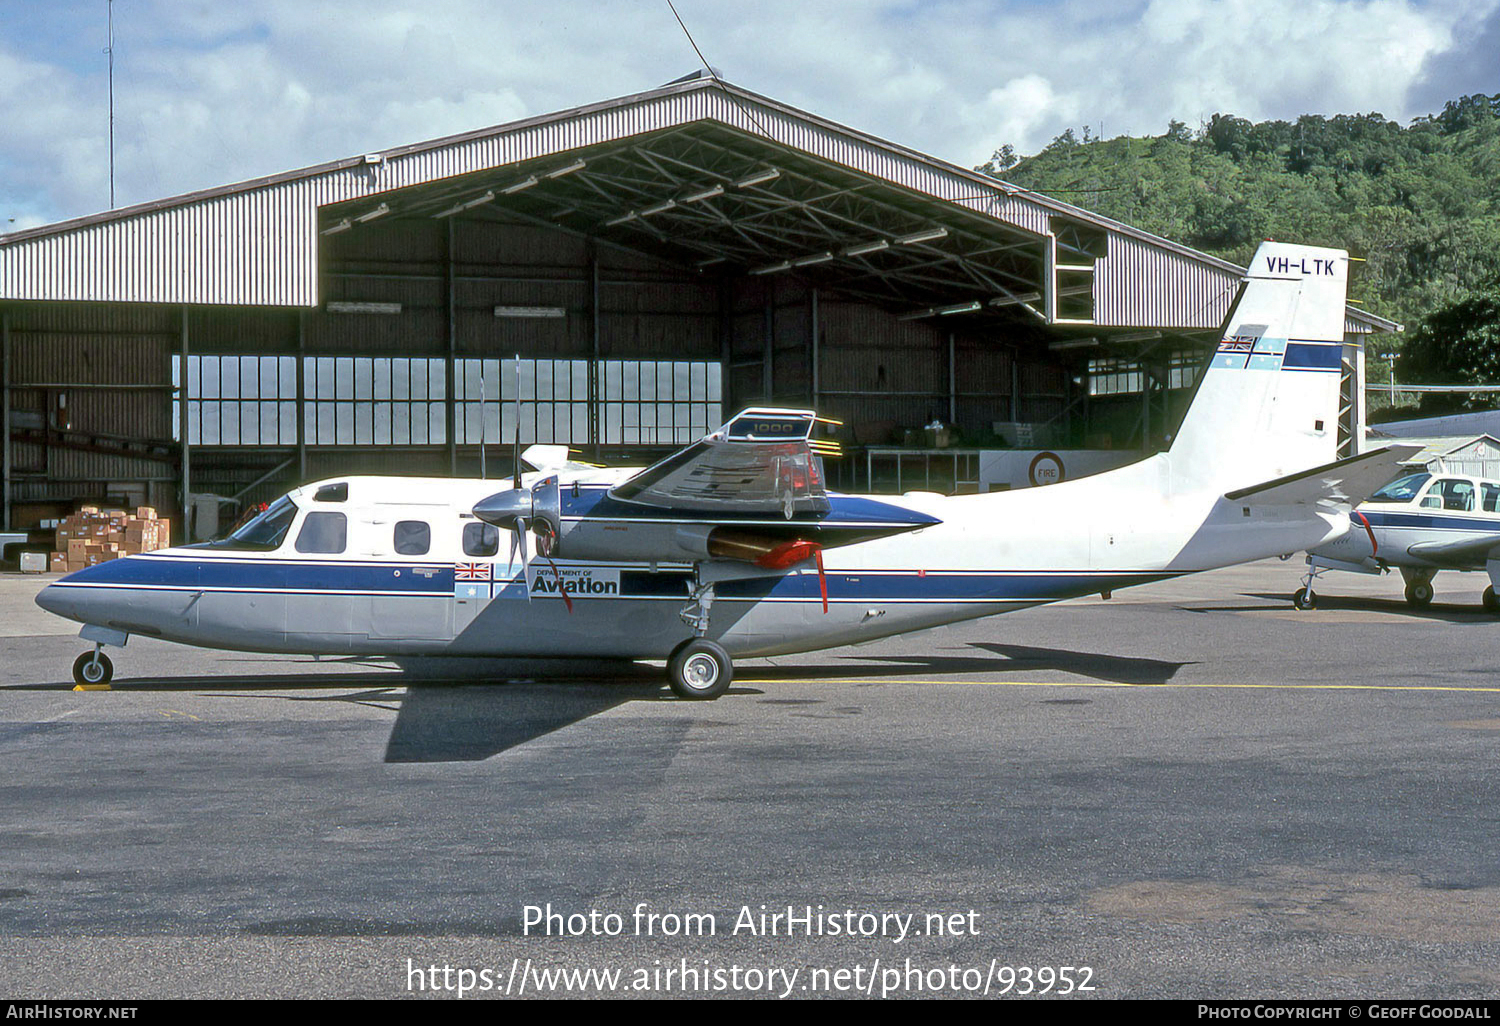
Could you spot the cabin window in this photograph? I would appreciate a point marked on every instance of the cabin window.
(324, 533)
(413, 538)
(1491, 498)
(1451, 494)
(481, 539)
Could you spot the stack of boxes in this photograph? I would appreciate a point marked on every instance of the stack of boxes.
(93, 536)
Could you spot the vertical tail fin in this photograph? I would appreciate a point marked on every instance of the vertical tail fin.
(1268, 404)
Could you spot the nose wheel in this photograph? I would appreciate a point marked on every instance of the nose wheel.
(93, 669)
(699, 669)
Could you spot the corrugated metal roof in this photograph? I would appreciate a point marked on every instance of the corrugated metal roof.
(256, 242)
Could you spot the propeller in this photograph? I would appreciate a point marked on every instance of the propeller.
(519, 509)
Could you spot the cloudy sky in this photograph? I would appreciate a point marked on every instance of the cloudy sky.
(209, 92)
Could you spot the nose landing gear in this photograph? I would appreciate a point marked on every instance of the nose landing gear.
(93, 669)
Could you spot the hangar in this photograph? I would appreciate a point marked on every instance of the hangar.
(616, 277)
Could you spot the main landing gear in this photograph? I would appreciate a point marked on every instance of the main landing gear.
(699, 669)
(93, 669)
(1419, 589)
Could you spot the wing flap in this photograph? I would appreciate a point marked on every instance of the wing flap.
(1346, 482)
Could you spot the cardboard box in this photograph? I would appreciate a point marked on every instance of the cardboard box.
(145, 513)
(77, 549)
(58, 564)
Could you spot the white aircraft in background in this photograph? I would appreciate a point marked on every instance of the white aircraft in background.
(1418, 524)
(733, 546)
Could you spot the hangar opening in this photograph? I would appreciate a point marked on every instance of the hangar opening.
(618, 278)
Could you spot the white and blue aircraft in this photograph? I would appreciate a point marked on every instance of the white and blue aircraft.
(733, 547)
(1418, 524)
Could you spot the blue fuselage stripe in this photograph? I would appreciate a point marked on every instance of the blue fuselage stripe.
(429, 580)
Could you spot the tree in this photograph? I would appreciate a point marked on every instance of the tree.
(1001, 161)
(1458, 344)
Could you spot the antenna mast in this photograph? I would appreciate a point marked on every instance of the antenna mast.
(110, 50)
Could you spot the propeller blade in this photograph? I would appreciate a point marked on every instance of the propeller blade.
(520, 538)
(510, 563)
(516, 453)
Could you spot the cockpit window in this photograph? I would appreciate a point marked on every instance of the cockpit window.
(265, 532)
(332, 493)
(1403, 489)
(325, 533)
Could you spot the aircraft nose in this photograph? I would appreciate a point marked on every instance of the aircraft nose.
(54, 600)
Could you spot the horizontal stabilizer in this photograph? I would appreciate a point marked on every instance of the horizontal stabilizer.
(1464, 552)
(1344, 483)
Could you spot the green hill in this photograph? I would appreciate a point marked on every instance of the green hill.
(1420, 203)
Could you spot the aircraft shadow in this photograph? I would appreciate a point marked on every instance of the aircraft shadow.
(1449, 612)
(1012, 659)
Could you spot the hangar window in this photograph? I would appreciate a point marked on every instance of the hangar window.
(324, 533)
(377, 400)
(237, 400)
(374, 400)
(1112, 376)
(640, 402)
(645, 402)
(553, 400)
(1183, 367)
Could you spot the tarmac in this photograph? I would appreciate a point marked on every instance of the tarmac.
(1188, 791)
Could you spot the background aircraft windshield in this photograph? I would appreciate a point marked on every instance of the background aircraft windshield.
(1403, 489)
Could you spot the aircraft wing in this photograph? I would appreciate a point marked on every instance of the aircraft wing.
(1464, 552)
(1345, 482)
(761, 462)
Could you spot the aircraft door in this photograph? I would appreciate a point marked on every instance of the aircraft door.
(475, 576)
(410, 600)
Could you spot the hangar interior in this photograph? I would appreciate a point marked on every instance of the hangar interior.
(619, 277)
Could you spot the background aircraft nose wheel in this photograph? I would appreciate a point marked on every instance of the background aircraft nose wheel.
(93, 668)
(1305, 598)
(1419, 594)
(699, 669)
(1491, 601)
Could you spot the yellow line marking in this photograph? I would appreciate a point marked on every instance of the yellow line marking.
(90, 687)
(1121, 684)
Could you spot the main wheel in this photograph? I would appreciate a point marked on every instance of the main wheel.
(1305, 598)
(699, 669)
(92, 670)
(1419, 594)
(1491, 601)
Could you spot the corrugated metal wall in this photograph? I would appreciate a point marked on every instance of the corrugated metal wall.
(257, 243)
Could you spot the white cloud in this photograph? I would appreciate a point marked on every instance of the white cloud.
(210, 93)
